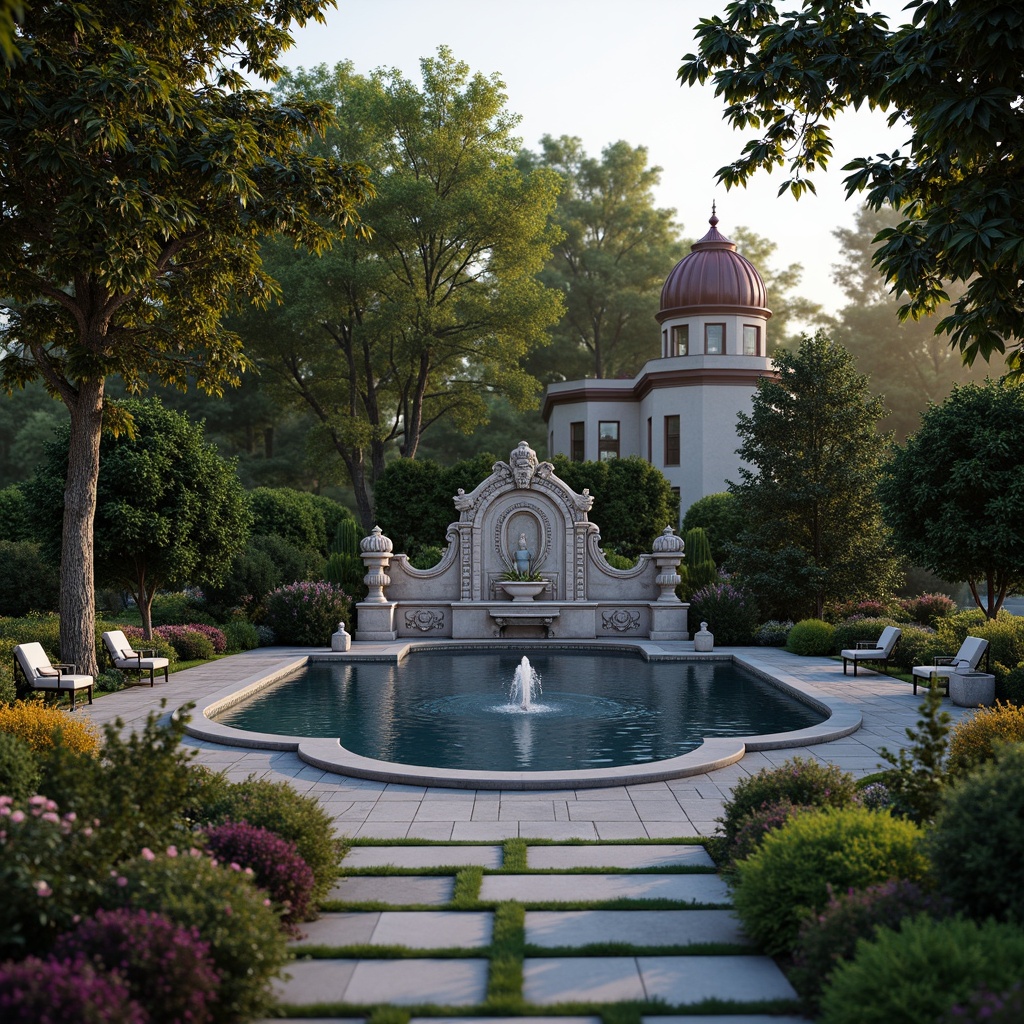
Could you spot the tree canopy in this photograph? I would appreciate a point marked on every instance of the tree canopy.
(138, 172)
(953, 495)
(952, 76)
(380, 339)
(812, 524)
(170, 511)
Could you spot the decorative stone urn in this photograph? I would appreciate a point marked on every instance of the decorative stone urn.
(522, 590)
(703, 641)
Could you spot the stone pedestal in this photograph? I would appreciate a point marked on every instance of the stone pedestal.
(972, 689)
(376, 621)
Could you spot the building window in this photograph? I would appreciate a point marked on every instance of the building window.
(680, 340)
(714, 339)
(664, 343)
(650, 441)
(751, 340)
(607, 440)
(671, 440)
(577, 441)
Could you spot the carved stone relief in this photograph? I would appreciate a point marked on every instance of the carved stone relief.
(424, 620)
(621, 620)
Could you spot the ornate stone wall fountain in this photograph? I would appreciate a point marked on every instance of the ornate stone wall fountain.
(523, 560)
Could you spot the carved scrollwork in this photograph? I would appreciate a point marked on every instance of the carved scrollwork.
(424, 620)
(621, 620)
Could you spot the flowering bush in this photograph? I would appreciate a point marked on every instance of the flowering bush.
(832, 935)
(757, 824)
(43, 727)
(730, 613)
(49, 864)
(164, 648)
(306, 614)
(876, 796)
(64, 992)
(926, 608)
(973, 739)
(277, 867)
(212, 633)
(167, 967)
(861, 608)
(990, 1007)
(773, 633)
(188, 641)
(247, 945)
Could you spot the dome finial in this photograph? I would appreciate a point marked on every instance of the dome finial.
(714, 218)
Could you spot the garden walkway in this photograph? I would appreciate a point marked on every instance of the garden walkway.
(677, 808)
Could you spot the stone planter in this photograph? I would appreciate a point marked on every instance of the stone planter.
(972, 689)
(522, 590)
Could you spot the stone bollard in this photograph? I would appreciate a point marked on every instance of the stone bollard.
(703, 642)
(341, 641)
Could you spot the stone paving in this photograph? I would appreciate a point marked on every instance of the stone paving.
(670, 810)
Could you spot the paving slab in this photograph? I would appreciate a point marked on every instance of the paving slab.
(422, 856)
(660, 856)
(417, 929)
(596, 979)
(681, 980)
(399, 982)
(394, 889)
(731, 1018)
(565, 888)
(554, 928)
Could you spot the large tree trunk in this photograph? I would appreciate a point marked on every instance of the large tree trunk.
(77, 585)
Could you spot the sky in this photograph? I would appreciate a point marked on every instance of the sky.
(605, 70)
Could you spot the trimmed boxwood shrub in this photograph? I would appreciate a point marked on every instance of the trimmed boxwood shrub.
(797, 867)
(731, 613)
(810, 638)
(276, 807)
(277, 867)
(977, 842)
(166, 966)
(19, 767)
(832, 935)
(915, 975)
(972, 742)
(800, 781)
(247, 945)
(64, 992)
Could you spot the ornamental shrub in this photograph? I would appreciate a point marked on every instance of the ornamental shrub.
(41, 629)
(268, 637)
(307, 614)
(919, 645)
(810, 638)
(1005, 634)
(928, 608)
(163, 648)
(166, 966)
(865, 609)
(247, 945)
(19, 768)
(798, 865)
(832, 935)
(917, 974)
(64, 992)
(1013, 685)
(277, 867)
(50, 864)
(757, 824)
(276, 806)
(802, 782)
(988, 1007)
(241, 635)
(973, 740)
(189, 643)
(773, 633)
(730, 613)
(43, 727)
(977, 843)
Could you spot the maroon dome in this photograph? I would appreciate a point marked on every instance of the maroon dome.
(715, 277)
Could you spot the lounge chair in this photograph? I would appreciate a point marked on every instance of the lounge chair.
(39, 674)
(967, 659)
(124, 657)
(874, 652)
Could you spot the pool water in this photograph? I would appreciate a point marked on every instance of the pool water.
(453, 709)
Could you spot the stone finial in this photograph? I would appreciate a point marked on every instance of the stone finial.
(376, 543)
(703, 642)
(668, 541)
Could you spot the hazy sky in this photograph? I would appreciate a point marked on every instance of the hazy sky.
(605, 71)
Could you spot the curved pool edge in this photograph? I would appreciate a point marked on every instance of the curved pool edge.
(714, 753)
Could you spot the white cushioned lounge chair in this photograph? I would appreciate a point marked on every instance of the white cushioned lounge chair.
(967, 659)
(879, 652)
(124, 657)
(35, 666)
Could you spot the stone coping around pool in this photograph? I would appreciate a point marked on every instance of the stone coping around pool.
(329, 755)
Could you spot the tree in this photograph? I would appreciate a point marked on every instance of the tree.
(953, 495)
(813, 530)
(908, 364)
(382, 339)
(170, 511)
(138, 171)
(720, 517)
(952, 77)
(616, 250)
(11, 12)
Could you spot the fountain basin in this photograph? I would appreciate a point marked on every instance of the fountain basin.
(522, 591)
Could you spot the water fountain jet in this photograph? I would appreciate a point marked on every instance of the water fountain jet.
(525, 684)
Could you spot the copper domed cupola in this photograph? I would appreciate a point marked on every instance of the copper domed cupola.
(713, 278)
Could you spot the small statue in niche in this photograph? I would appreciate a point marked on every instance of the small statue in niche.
(522, 556)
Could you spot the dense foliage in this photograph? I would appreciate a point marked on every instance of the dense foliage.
(729, 611)
(307, 614)
(974, 740)
(811, 638)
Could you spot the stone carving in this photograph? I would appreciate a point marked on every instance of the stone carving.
(522, 556)
(583, 502)
(424, 620)
(524, 465)
(621, 620)
(463, 501)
